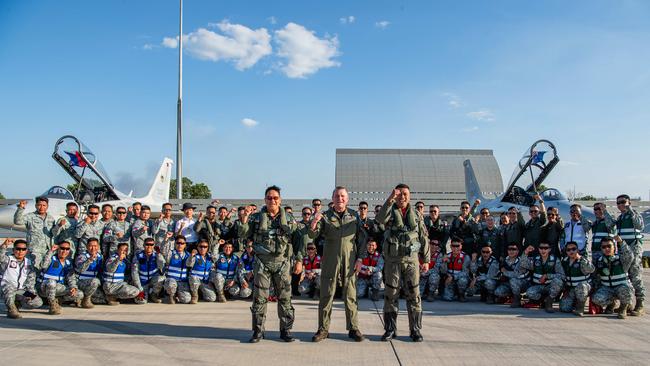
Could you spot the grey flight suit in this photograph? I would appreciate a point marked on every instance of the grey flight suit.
(271, 238)
(344, 241)
(39, 233)
(161, 227)
(86, 231)
(140, 230)
(110, 239)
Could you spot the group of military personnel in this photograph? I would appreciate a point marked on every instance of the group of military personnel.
(267, 254)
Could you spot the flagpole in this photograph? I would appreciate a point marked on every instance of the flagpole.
(179, 111)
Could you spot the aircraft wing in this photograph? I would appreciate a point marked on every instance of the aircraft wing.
(534, 166)
(84, 167)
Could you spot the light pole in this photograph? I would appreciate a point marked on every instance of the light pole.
(179, 112)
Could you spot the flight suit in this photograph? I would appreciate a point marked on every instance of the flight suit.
(86, 231)
(110, 239)
(66, 232)
(39, 233)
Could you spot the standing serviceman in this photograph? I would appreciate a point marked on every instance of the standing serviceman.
(117, 231)
(90, 227)
(66, 227)
(163, 230)
(270, 230)
(39, 225)
(209, 229)
(533, 228)
(405, 237)
(629, 225)
(604, 226)
(343, 252)
(437, 227)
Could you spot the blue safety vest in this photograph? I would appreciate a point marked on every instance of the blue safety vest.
(202, 267)
(227, 266)
(57, 271)
(93, 269)
(147, 267)
(118, 275)
(177, 268)
(247, 262)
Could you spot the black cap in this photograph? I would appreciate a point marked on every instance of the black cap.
(187, 206)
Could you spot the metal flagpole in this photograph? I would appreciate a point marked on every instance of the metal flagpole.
(179, 112)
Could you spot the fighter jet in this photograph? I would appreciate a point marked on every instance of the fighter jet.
(92, 184)
(536, 164)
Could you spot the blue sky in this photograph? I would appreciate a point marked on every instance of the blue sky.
(316, 76)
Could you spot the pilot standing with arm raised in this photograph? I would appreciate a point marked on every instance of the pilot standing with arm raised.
(39, 225)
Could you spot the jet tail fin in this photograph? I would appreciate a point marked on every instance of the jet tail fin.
(472, 188)
(159, 191)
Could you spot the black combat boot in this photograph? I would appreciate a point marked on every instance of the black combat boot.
(548, 304)
(580, 308)
(489, 298)
(390, 326)
(286, 336)
(374, 294)
(356, 335)
(516, 301)
(483, 295)
(415, 324)
(258, 329)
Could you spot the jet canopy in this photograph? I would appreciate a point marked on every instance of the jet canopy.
(534, 166)
(58, 192)
(93, 184)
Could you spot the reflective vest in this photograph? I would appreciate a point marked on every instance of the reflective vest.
(56, 271)
(611, 272)
(311, 265)
(177, 268)
(226, 266)
(626, 230)
(512, 267)
(147, 266)
(599, 231)
(247, 262)
(483, 266)
(573, 272)
(434, 258)
(455, 264)
(16, 272)
(541, 268)
(573, 231)
(118, 275)
(202, 267)
(93, 269)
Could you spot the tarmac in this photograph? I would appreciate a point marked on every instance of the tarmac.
(471, 333)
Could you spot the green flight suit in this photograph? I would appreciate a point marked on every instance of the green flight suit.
(344, 241)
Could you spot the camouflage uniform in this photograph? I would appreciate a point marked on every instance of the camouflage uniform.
(210, 231)
(147, 275)
(513, 281)
(533, 228)
(514, 232)
(86, 231)
(160, 229)
(116, 286)
(601, 228)
(486, 273)
(612, 280)
(202, 281)
(467, 230)
(344, 241)
(229, 273)
(577, 283)
(629, 225)
(311, 265)
(39, 233)
(15, 287)
(431, 279)
(458, 269)
(66, 232)
(438, 230)
(552, 268)
(245, 274)
(494, 239)
(140, 231)
(374, 281)
(110, 238)
(51, 289)
(176, 281)
(271, 239)
(91, 287)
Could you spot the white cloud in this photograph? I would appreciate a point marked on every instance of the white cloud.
(470, 129)
(482, 115)
(453, 100)
(304, 52)
(347, 20)
(147, 47)
(272, 20)
(382, 24)
(170, 42)
(249, 122)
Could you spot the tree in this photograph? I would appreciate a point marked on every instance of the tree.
(1, 196)
(588, 197)
(190, 189)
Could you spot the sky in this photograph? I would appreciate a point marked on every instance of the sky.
(271, 89)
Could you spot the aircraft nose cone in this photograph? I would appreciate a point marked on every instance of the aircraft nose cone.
(7, 216)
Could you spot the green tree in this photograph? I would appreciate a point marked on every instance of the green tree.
(191, 190)
(588, 197)
(1, 196)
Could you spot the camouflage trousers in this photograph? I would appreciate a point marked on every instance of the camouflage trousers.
(37, 257)
(458, 284)
(409, 272)
(487, 284)
(120, 290)
(11, 295)
(429, 280)
(92, 288)
(278, 274)
(373, 282)
(573, 295)
(50, 290)
(154, 286)
(605, 296)
(635, 273)
(513, 286)
(552, 289)
(205, 289)
(221, 284)
(180, 289)
(307, 284)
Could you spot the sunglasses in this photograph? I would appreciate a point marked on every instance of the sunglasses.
(121, 212)
(433, 211)
(486, 251)
(455, 245)
(551, 215)
(180, 243)
(544, 248)
(20, 249)
(272, 198)
(316, 204)
(363, 208)
(534, 211)
(203, 247)
(93, 213)
(418, 207)
(597, 209)
(570, 250)
(148, 245)
(64, 248)
(166, 209)
(512, 249)
(574, 211)
(306, 214)
(311, 248)
(621, 202)
(464, 207)
(606, 246)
